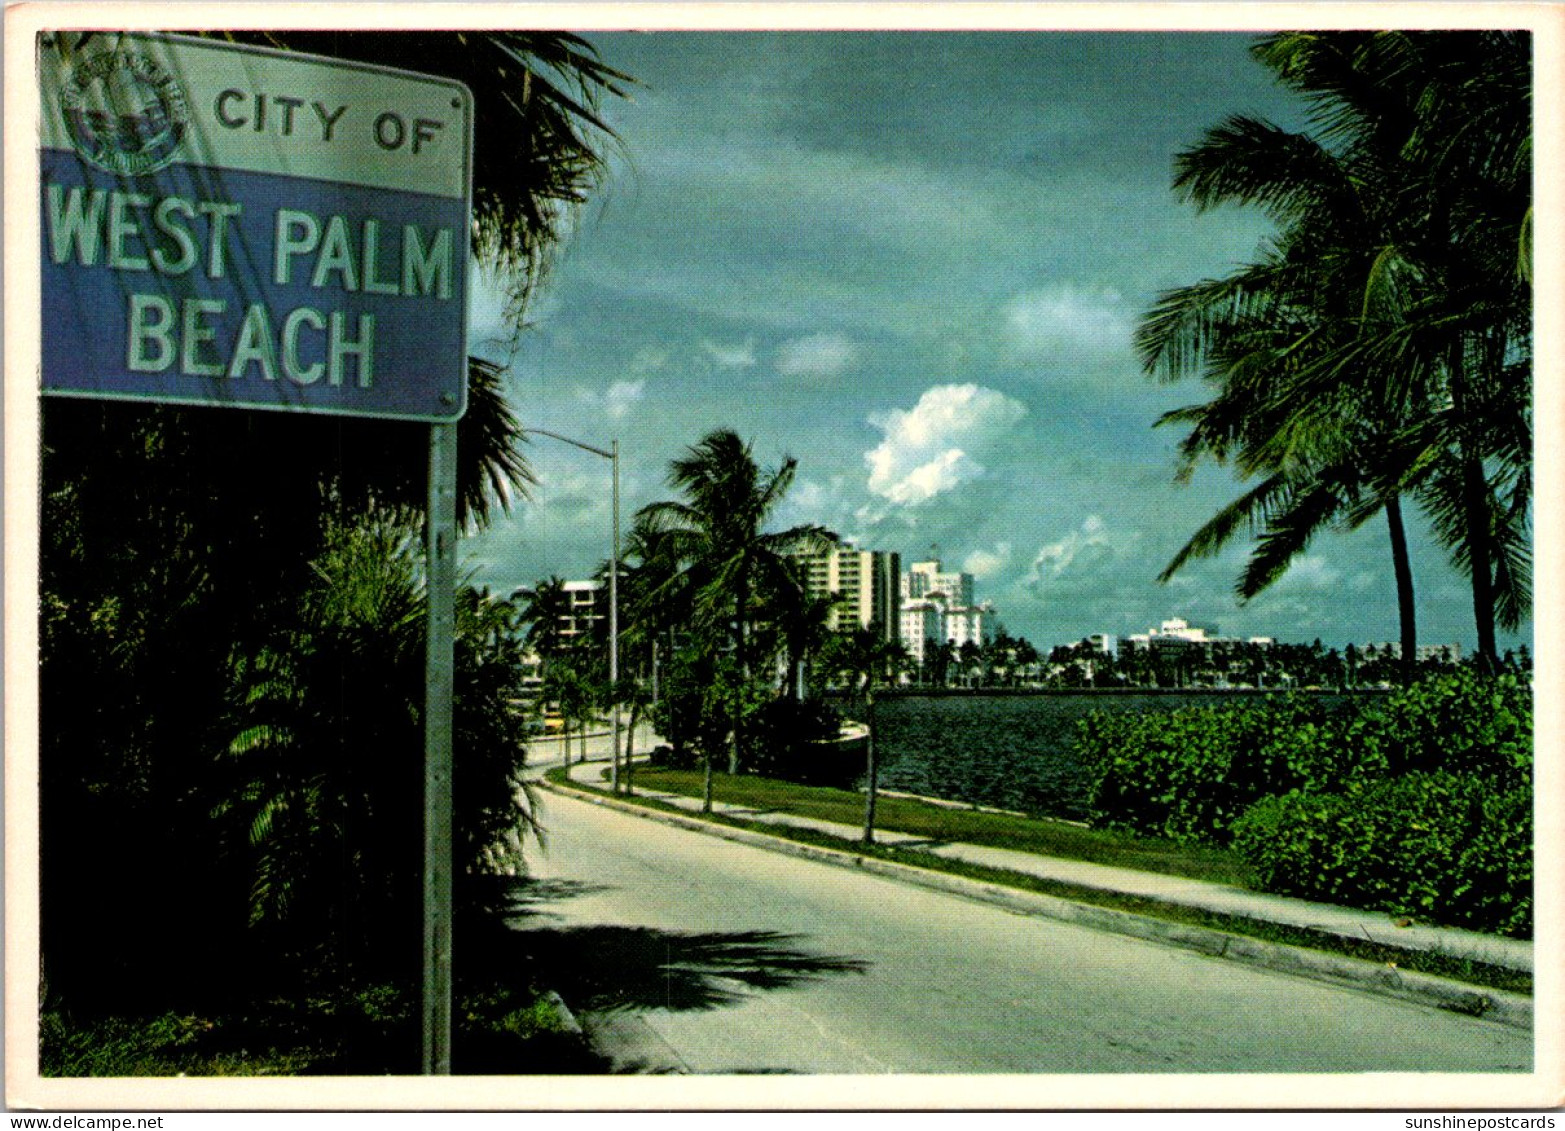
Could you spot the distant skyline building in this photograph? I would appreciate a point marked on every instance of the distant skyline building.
(923, 624)
(586, 610)
(926, 579)
(1177, 632)
(1440, 653)
(1105, 642)
(864, 582)
(938, 607)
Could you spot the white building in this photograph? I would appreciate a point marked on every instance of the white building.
(1105, 642)
(928, 580)
(1174, 631)
(922, 628)
(938, 608)
(588, 608)
(972, 624)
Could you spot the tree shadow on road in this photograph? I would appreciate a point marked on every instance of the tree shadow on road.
(612, 967)
(514, 900)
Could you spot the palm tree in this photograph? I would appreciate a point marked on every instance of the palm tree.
(542, 616)
(804, 622)
(1335, 384)
(577, 698)
(717, 531)
(869, 660)
(652, 607)
(1458, 106)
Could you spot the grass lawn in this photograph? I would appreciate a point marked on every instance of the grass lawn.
(1064, 839)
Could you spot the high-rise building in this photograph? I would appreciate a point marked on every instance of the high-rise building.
(584, 616)
(864, 583)
(938, 606)
(922, 628)
(588, 614)
(927, 580)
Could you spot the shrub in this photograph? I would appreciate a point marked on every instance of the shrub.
(1458, 722)
(783, 734)
(1188, 774)
(1418, 804)
(1442, 847)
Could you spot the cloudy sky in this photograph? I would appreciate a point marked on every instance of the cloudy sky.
(915, 262)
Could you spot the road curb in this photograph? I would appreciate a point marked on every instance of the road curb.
(1502, 1007)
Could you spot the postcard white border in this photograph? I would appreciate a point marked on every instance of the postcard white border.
(1543, 1088)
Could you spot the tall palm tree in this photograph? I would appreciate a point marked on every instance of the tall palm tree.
(1336, 376)
(869, 661)
(804, 622)
(717, 531)
(1457, 107)
(652, 608)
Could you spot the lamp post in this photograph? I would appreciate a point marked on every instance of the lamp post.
(612, 454)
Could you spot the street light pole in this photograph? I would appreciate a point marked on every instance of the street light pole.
(613, 456)
(614, 626)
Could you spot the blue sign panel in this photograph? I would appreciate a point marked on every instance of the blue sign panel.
(232, 226)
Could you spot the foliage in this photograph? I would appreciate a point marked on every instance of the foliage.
(1188, 774)
(501, 1025)
(711, 554)
(1448, 847)
(1459, 722)
(788, 734)
(321, 776)
(1380, 345)
(1419, 803)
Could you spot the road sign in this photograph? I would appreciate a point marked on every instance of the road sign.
(235, 226)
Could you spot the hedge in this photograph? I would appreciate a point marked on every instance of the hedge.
(1418, 803)
(1442, 847)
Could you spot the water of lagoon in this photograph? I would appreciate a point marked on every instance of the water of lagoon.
(1008, 751)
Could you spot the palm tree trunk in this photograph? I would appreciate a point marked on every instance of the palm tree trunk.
(736, 745)
(871, 771)
(1403, 567)
(1475, 498)
(630, 742)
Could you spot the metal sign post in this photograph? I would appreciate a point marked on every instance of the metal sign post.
(440, 574)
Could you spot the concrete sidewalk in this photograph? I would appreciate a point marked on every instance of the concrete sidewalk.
(1514, 954)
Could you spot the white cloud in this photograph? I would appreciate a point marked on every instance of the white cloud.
(1040, 320)
(987, 563)
(1310, 571)
(726, 356)
(934, 446)
(1086, 550)
(818, 355)
(618, 399)
(622, 397)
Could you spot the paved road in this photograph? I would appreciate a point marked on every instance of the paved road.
(742, 960)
